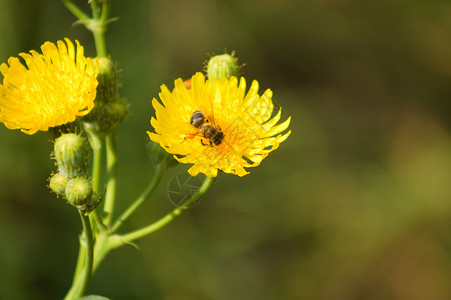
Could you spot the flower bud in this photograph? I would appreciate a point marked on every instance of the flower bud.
(221, 66)
(79, 192)
(110, 110)
(108, 80)
(71, 155)
(58, 183)
(116, 112)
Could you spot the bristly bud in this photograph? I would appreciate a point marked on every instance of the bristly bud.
(110, 110)
(58, 183)
(221, 66)
(71, 155)
(79, 192)
(108, 80)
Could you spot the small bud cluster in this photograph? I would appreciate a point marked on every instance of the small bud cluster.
(110, 110)
(71, 181)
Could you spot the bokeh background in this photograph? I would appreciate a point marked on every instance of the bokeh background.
(356, 204)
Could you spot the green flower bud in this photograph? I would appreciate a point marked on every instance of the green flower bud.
(110, 110)
(160, 156)
(116, 112)
(79, 192)
(108, 80)
(71, 155)
(221, 66)
(58, 183)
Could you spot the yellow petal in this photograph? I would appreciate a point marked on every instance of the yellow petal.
(242, 118)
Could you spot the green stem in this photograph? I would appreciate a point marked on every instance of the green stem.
(98, 27)
(102, 248)
(159, 171)
(89, 252)
(97, 24)
(81, 283)
(105, 12)
(80, 262)
(107, 242)
(98, 145)
(99, 39)
(78, 13)
(130, 237)
(110, 196)
(95, 9)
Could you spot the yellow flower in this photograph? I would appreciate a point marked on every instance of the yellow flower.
(51, 90)
(248, 133)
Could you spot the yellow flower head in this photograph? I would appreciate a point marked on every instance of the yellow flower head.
(215, 125)
(51, 90)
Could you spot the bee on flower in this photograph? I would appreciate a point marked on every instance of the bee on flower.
(215, 125)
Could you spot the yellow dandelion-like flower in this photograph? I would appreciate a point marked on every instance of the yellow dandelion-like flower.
(216, 125)
(51, 90)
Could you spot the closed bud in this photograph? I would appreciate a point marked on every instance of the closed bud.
(71, 155)
(58, 183)
(108, 80)
(221, 66)
(110, 110)
(78, 192)
(116, 112)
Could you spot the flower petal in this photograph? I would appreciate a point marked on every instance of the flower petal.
(243, 120)
(51, 90)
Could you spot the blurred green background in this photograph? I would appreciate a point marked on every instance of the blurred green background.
(356, 204)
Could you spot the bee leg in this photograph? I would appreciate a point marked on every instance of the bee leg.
(202, 142)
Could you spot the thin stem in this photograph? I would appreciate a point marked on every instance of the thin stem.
(98, 27)
(159, 171)
(130, 237)
(78, 13)
(80, 262)
(101, 249)
(89, 252)
(99, 39)
(97, 145)
(97, 24)
(110, 196)
(82, 281)
(105, 12)
(98, 149)
(95, 9)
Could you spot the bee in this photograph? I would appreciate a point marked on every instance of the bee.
(207, 129)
